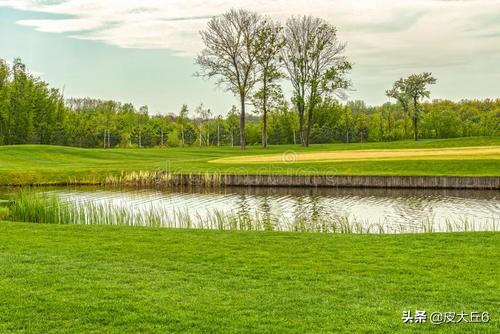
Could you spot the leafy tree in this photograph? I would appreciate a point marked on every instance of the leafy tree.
(399, 93)
(347, 123)
(283, 125)
(183, 117)
(173, 138)
(316, 68)
(232, 121)
(158, 128)
(412, 90)
(126, 124)
(416, 88)
(189, 134)
(219, 121)
(141, 117)
(204, 116)
(269, 44)
(20, 114)
(4, 97)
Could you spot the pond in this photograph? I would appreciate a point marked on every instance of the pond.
(343, 210)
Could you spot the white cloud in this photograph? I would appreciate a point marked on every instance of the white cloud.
(174, 24)
(386, 38)
(60, 26)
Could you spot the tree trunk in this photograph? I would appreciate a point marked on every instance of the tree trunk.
(264, 129)
(218, 134)
(300, 108)
(309, 124)
(201, 144)
(415, 126)
(405, 120)
(301, 130)
(182, 135)
(264, 115)
(242, 123)
(415, 119)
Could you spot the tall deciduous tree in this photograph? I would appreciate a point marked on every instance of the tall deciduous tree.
(316, 67)
(20, 114)
(416, 88)
(412, 90)
(141, 116)
(204, 116)
(4, 97)
(398, 92)
(268, 45)
(230, 55)
(183, 117)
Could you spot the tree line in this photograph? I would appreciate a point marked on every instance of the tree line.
(33, 113)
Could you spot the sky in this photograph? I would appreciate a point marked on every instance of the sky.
(142, 51)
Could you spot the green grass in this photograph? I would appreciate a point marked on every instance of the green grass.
(32, 164)
(86, 279)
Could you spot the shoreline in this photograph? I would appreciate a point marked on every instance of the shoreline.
(164, 179)
(422, 182)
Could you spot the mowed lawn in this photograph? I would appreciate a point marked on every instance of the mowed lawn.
(32, 164)
(105, 279)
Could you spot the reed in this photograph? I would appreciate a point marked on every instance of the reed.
(30, 206)
(161, 178)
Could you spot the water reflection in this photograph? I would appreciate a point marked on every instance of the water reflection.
(372, 210)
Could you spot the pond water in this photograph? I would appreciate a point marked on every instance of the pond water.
(305, 209)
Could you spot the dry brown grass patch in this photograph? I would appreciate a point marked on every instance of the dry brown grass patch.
(394, 154)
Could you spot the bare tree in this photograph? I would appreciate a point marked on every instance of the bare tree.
(313, 59)
(230, 56)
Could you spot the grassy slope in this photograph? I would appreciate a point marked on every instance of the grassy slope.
(117, 279)
(49, 164)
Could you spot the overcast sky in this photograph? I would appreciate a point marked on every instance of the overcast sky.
(142, 51)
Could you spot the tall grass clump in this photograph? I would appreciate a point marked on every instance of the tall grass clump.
(30, 206)
(159, 178)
